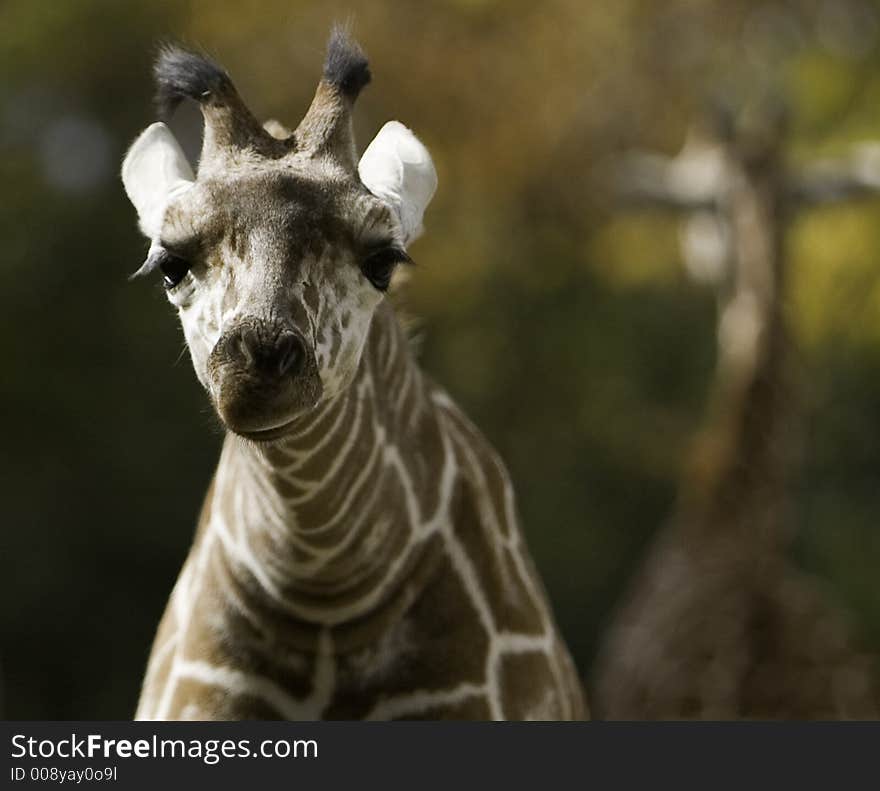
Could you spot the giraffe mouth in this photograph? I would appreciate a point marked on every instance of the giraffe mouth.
(266, 434)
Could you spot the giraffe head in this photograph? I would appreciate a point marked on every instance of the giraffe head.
(278, 252)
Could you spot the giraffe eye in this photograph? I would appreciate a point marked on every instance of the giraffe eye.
(174, 269)
(379, 265)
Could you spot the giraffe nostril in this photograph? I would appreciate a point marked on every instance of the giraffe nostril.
(247, 345)
(272, 355)
(289, 354)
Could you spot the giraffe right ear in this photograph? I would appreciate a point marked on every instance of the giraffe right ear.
(154, 171)
(397, 168)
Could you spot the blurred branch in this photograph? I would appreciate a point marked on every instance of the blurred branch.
(670, 183)
(833, 181)
(695, 180)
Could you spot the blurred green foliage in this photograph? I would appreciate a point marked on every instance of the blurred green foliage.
(568, 330)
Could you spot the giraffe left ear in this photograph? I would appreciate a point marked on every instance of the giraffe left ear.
(397, 168)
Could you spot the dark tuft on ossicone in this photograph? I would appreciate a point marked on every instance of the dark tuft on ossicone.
(346, 66)
(181, 74)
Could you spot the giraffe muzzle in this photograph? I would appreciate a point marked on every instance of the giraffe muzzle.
(263, 377)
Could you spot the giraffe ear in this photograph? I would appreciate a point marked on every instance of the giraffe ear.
(154, 171)
(397, 168)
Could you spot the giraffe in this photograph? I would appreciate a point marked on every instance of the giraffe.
(719, 624)
(358, 554)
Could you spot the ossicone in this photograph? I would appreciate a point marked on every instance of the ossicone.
(325, 130)
(230, 127)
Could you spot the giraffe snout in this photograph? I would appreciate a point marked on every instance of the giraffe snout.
(263, 375)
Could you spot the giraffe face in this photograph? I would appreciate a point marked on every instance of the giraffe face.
(278, 253)
(275, 274)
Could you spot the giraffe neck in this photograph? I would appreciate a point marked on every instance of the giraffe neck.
(370, 565)
(316, 523)
(735, 484)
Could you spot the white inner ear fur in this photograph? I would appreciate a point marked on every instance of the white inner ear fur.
(398, 169)
(155, 171)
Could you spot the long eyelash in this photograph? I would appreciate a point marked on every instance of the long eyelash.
(153, 262)
(183, 351)
(389, 254)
